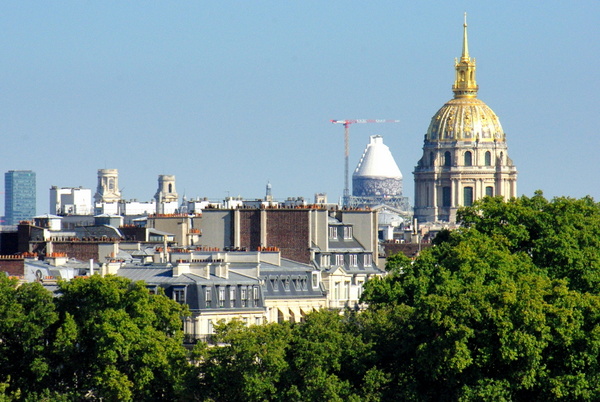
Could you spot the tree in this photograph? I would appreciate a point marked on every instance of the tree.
(561, 236)
(329, 360)
(247, 365)
(489, 313)
(26, 316)
(115, 340)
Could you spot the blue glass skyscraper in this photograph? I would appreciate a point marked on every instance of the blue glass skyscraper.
(19, 192)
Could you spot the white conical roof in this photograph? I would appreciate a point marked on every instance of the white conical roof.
(377, 161)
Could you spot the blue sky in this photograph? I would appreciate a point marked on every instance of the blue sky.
(230, 95)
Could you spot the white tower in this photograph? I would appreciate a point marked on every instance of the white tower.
(108, 186)
(166, 196)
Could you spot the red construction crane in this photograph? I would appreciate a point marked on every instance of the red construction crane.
(346, 124)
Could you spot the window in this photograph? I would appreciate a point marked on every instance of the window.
(257, 320)
(232, 296)
(210, 327)
(286, 283)
(336, 291)
(367, 260)
(488, 158)
(208, 296)
(468, 195)
(339, 259)
(315, 279)
(333, 232)
(489, 191)
(325, 260)
(431, 159)
(347, 232)
(256, 295)
(179, 295)
(244, 297)
(353, 260)
(347, 290)
(446, 197)
(447, 159)
(468, 158)
(221, 296)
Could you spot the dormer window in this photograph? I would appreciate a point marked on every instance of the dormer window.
(347, 232)
(232, 296)
(333, 232)
(315, 279)
(367, 260)
(339, 259)
(221, 296)
(325, 260)
(208, 296)
(244, 297)
(353, 260)
(179, 295)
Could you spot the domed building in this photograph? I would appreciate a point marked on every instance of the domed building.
(377, 179)
(377, 173)
(465, 156)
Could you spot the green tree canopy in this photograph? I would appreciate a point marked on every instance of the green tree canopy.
(117, 341)
(562, 236)
(26, 316)
(488, 313)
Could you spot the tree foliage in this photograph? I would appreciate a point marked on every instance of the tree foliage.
(505, 308)
(102, 338)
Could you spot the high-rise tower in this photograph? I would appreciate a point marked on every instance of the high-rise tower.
(20, 196)
(465, 156)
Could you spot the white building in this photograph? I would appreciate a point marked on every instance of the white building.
(71, 201)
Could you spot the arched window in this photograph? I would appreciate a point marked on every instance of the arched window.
(488, 158)
(170, 187)
(447, 159)
(468, 158)
(502, 158)
(431, 159)
(489, 191)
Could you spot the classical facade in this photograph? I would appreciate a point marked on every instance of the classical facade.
(465, 156)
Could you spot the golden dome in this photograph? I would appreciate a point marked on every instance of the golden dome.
(465, 119)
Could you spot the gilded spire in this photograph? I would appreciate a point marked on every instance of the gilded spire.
(465, 52)
(465, 85)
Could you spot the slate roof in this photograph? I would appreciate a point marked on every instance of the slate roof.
(290, 280)
(99, 231)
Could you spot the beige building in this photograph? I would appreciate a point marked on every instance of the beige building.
(465, 156)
